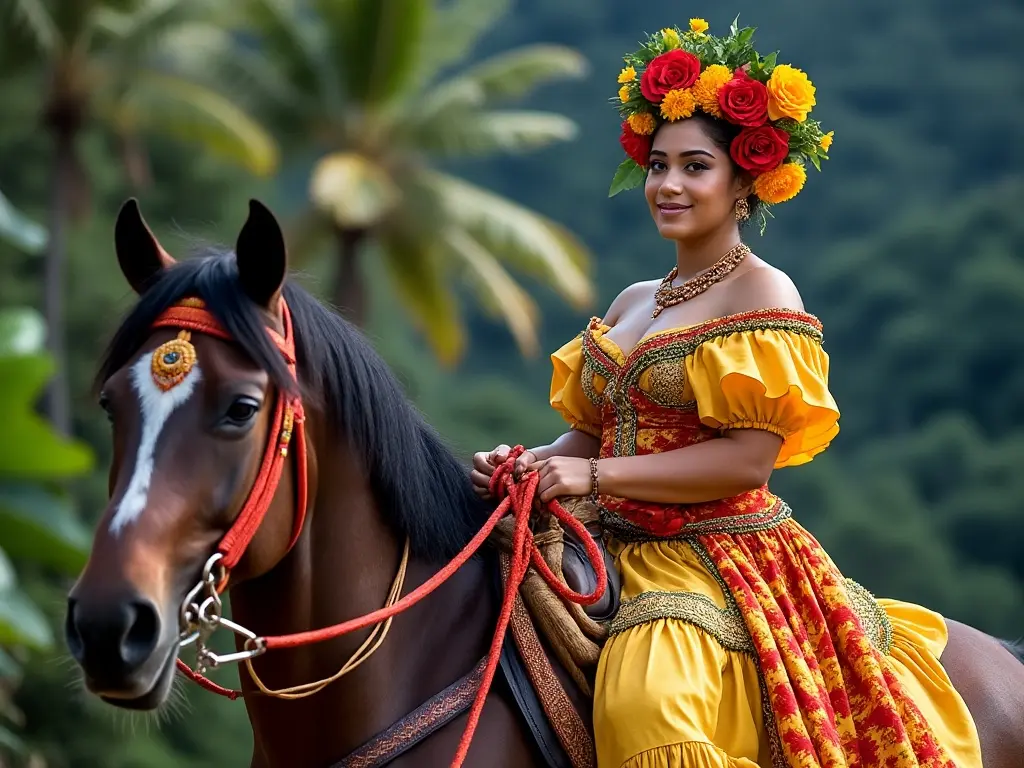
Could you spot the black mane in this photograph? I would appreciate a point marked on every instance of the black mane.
(419, 485)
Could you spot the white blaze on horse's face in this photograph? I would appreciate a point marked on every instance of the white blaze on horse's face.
(163, 381)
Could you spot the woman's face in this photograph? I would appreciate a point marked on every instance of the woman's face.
(691, 187)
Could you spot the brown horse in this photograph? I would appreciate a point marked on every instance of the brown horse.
(188, 450)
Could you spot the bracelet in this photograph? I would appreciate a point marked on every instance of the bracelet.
(594, 487)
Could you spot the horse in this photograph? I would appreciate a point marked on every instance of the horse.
(272, 397)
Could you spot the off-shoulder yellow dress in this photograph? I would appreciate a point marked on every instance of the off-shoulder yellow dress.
(739, 643)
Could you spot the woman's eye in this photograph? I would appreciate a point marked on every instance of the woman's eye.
(696, 166)
(657, 165)
(243, 409)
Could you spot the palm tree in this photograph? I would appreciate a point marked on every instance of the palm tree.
(361, 81)
(113, 62)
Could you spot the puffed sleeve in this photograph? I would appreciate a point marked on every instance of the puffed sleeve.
(774, 380)
(567, 395)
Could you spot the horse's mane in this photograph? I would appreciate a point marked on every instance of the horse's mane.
(419, 485)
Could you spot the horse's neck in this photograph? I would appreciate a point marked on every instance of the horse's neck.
(343, 567)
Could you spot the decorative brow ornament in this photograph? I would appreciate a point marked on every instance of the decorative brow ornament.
(173, 361)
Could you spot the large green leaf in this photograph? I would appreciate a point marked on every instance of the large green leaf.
(22, 623)
(377, 44)
(296, 46)
(495, 289)
(30, 449)
(11, 742)
(452, 32)
(41, 526)
(534, 244)
(192, 112)
(515, 73)
(19, 230)
(419, 275)
(33, 16)
(22, 331)
(505, 131)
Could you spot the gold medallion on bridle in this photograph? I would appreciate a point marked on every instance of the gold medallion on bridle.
(172, 361)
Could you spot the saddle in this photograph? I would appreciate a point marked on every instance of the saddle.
(552, 659)
(548, 659)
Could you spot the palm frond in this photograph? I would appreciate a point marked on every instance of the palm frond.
(192, 112)
(534, 244)
(453, 31)
(498, 131)
(376, 44)
(513, 74)
(208, 54)
(144, 20)
(496, 290)
(296, 45)
(33, 17)
(417, 272)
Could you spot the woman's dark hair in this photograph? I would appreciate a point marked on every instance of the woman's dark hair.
(721, 134)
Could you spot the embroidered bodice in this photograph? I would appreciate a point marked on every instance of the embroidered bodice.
(764, 369)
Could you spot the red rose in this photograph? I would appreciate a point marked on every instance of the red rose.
(760, 149)
(744, 100)
(637, 146)
(668, 72)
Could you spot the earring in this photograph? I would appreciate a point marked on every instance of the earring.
(742, 209)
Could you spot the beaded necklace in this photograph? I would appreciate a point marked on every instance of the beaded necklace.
(668, 295)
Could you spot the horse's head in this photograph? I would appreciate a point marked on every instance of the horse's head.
(192, 411)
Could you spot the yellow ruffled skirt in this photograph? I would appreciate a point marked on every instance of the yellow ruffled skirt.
(669, 695)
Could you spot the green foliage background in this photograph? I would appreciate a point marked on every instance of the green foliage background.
(909, 247)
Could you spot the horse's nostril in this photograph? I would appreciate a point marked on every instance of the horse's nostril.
(72, 636)
(142, 633)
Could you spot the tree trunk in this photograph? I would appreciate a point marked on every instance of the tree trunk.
(349, 287)
(58, 398)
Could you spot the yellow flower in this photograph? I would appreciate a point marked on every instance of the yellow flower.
(781, 184)
(624, 94)
(826, 140)
(642, 123)
(699, 26)
(678, 104)
(671, 38)
(790, 94)
(627, 75)
(705, 90)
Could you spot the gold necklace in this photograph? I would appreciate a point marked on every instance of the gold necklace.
(668, 295)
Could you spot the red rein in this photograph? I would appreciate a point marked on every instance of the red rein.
(516, 498)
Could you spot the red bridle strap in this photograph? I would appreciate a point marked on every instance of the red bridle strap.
(287, 424)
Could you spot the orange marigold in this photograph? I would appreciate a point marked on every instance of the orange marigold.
(782, 184)
(642, 123)
(705, 90)
(677, 104)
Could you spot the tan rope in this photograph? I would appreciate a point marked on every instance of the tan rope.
(361, 654)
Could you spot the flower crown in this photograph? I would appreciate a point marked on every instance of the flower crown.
(676, 73)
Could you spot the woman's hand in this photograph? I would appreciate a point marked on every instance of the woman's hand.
(484, 464)
(563, 476)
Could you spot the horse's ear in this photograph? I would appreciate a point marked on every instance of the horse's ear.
(139, 254)
(262, 257)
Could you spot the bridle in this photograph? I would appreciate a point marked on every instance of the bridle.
(201, 613)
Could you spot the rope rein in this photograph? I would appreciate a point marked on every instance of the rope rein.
(515, 497)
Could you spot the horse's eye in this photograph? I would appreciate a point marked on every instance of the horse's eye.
(243, 409)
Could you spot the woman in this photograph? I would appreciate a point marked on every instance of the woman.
(738, 642)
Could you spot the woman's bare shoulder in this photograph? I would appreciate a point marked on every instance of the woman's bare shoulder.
(763, 287)
(629, 297)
